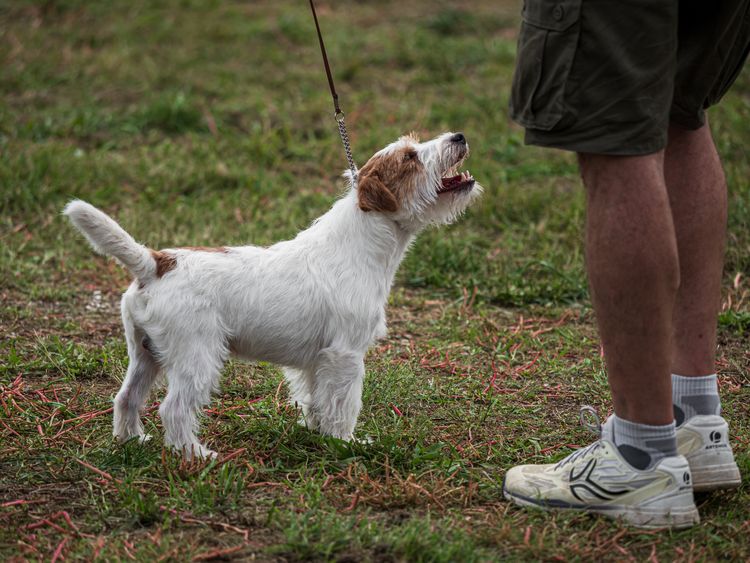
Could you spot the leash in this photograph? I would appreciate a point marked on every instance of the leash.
(338, 114)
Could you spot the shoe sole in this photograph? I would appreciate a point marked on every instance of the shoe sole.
(641, 517)
(715, 477)
(712, 462)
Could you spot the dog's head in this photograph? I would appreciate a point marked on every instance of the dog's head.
(418, 183)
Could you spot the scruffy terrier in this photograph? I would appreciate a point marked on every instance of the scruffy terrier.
(313, 304)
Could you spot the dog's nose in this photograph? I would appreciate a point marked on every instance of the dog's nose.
(458, 138)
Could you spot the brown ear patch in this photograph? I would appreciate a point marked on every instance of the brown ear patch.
(389, 180)
(374, 195)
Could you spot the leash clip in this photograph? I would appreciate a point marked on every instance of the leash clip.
(338, 115)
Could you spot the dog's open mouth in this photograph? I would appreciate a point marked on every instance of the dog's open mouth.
(454, 181)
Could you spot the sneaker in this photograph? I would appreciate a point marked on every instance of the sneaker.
(704, 441)
(597, 479)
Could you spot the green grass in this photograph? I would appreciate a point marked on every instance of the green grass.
(207, 122)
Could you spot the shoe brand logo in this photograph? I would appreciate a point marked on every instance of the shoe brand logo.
(686, 477)
(715, 437)
(583, 482)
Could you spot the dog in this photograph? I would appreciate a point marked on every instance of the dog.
(313, 304)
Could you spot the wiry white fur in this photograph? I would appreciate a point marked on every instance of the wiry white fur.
(313, 304)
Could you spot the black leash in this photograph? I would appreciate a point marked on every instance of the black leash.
(338, 113)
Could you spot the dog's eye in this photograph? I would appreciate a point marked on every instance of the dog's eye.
(410, 155)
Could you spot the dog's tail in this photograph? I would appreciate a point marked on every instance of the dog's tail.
(107, 237)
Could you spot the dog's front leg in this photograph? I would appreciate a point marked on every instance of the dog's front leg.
(337, 391)
(300, 383)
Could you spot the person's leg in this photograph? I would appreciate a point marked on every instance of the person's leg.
(698, 198)
(601, 93)
(632, 263)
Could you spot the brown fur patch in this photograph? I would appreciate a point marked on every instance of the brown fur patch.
(165, 262)
(387, 180)
(375, 196)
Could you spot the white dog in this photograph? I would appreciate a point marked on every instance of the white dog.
(313, 304)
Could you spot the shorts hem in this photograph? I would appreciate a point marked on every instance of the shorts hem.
(685, 119)
(597, 146)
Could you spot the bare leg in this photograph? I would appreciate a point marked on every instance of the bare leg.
(698, 198)
(632, 262)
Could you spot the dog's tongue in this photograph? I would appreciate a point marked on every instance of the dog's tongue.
(457, 182)
(452, 182)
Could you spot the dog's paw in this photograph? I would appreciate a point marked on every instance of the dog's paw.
(348, 438)
(140, 438)
(198, 452)
(364, 440)
(308, 421)
(193, 452)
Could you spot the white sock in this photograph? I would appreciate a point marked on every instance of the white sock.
(642, 445)
(694, 396)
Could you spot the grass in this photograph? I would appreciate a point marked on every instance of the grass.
(206, 122)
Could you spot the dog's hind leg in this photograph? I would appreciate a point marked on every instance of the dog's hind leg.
(337, 392)
(191, 377)
(142, 372)
(300, 393)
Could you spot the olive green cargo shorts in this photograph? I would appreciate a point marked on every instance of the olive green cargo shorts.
(609, 76)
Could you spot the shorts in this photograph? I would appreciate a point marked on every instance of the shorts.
(609, 76)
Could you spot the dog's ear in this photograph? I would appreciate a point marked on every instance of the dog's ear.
(374, 195)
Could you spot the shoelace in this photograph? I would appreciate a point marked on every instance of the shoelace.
(594, 427)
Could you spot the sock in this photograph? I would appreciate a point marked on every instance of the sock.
(642, 445)
(694, 395)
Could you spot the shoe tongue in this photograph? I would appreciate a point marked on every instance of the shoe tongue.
(608, 430)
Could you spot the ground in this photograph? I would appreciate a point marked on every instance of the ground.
(207, 123)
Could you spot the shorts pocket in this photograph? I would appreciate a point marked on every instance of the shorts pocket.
(546, 49)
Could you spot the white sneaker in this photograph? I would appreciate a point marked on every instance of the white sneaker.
(704, 441)
(597, 479)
